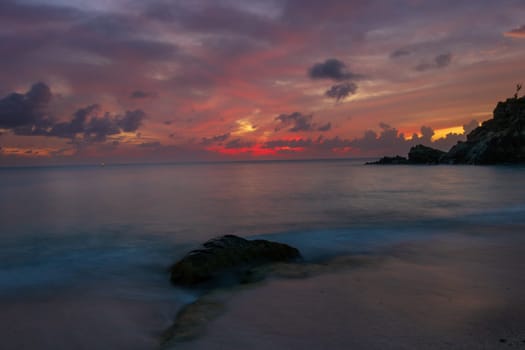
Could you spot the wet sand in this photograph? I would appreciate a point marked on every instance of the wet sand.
(65, 323)
(452, 292)
(461, 292)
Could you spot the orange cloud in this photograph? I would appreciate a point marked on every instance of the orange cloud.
(516, 33)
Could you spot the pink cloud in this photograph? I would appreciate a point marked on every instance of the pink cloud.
(516, 33)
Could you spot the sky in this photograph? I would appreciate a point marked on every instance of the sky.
(211, 80)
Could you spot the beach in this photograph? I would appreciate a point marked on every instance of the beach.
(465, 292)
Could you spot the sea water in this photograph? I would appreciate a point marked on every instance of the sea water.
(84, 250)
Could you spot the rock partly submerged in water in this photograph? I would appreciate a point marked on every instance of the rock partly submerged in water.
(425, 155)
(390, 161)
(418, 155)
(229, 257)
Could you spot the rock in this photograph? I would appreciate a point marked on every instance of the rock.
(390, 161)
(500, 140)
(418, 155)
(425, 155)
(229, 257)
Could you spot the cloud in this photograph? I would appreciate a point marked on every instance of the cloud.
(392, 142)
(400, 53)
(94, 128)
(297, 122)
(320, 145)
(470, 126)
(440, 61)
(99, 128)
(31, 13)
(26, 113)
(341, 91)
(217, 139)
(332, 69)
(516, 33)
(152, 144)
(131, 121)
(238, 143)
(139, 94)
(76, 125)
(325, 127)
(288, 143)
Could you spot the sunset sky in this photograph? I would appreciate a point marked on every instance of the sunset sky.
(194, 80)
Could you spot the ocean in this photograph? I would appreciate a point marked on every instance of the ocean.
(85, 249)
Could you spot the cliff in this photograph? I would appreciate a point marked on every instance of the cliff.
(500, 140)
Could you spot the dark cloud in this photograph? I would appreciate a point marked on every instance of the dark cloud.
(440, 61)
(400, 53)
(238, 143)
(388, 140)
(218, 139)
(26, 114)
(97, 129)
(426, 133)
(341, 91)
(131, 121)
(333, 69)
(297, 122)
(139, 94)
(325, 127)
(76, 125)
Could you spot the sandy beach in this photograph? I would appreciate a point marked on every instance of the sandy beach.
(79, 323)
(461, 292)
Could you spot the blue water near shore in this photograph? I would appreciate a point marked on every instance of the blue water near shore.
(70, 225)
(113, 231)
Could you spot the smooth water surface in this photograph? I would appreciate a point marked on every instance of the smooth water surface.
(85, 234)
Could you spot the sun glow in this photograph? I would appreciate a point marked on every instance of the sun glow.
(243, 127)
(440, 133)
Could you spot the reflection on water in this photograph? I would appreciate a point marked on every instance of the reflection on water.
(192, 202)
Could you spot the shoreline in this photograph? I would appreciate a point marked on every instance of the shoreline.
(459, 293)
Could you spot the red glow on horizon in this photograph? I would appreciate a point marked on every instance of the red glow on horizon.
(256, 150)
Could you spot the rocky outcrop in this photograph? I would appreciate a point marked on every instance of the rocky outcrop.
(500, 140)
(418, 155)
(390, 161)
(425, 155)
(229, 258)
